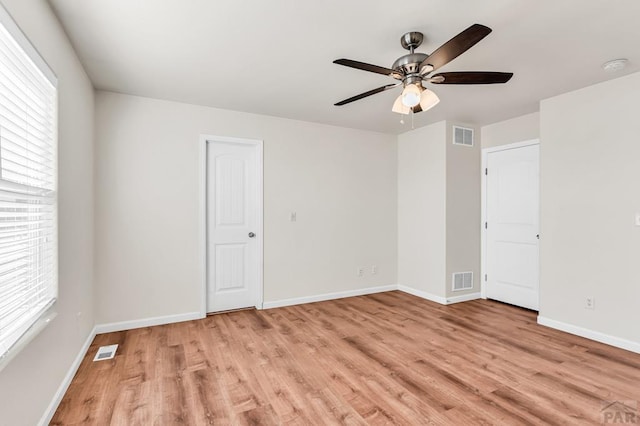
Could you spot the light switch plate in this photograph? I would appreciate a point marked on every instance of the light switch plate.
(637, 218)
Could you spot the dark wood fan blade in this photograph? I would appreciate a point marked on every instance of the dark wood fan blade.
(417, 109)
(365, 94)
(472, 77)
(364, 66)
(456, 46)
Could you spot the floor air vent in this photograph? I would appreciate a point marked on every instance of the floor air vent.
(106, 352)
(462, 281)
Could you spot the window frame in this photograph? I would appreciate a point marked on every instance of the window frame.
(37, 321)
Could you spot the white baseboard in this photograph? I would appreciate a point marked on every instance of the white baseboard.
(62, 389)
(590, 334)
(439, 299)
(146, 322)
(463, 298)
(423, 294)
(328, 296)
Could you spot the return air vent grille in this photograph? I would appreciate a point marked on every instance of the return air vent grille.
(462, 281)
(462, 136)
(106, 352)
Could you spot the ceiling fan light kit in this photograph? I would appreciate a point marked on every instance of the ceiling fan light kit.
(410, 95)
(428, 100)
(399, 107)
(415, 68)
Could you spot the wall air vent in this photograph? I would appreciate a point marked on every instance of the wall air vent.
(462, 281)
(106, 352)
(462, 136)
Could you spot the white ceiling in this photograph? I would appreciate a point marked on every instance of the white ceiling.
(275, 57)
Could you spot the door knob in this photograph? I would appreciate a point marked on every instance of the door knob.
(251, 235)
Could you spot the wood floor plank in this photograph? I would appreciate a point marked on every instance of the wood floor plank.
(388, 358)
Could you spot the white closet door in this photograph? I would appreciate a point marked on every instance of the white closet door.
(232, 219)
(512, 193)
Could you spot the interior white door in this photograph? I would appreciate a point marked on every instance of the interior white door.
(233, 210)
(512, 215)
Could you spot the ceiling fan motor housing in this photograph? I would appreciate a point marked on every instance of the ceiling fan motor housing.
(409, 64)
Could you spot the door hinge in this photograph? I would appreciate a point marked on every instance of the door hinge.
(485, 225)
(485, 277)
(486, 172)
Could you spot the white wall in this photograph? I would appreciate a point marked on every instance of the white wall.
(438, 211)
(30, 381)
(519, 129)
(463, 211)
(589, 246)
(422, 209)
(341, 183)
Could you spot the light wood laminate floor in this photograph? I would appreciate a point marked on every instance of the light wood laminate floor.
(388, 358)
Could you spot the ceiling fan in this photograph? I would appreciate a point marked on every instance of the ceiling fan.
(414, 68)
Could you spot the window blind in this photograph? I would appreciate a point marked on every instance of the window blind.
(28, 185)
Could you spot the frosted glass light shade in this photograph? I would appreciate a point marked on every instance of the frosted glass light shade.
(428, 100)
(411, 95)
(399, 107)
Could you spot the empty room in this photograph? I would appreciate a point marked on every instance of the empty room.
(292, 212)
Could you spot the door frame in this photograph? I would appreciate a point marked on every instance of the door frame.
(203, 213)
(483, 207)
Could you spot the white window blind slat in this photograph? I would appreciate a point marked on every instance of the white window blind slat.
(15, 317)
(38, 162)
(7, 236)
(22, 99)
(16, 259)
(21, 66)
(21, 95)
(10, 275)
(27, 299)
(19, 297)
(27, 166)
(38, 113)
(28, 185)
(17, 263)
(17, 139)
(22, 255)
(17, 172)
(12, 219)
(18, 271)
(13, 143)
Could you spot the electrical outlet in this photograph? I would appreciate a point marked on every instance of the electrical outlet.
(590, 303)
(374, 269)
(360, 272)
